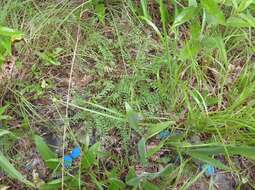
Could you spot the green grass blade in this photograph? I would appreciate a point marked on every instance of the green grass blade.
(244, 5)
(163, 16)
(144, 4)
(9, 169)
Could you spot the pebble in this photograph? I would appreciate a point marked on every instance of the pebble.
(225, 181)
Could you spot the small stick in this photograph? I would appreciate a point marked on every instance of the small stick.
(66, 124)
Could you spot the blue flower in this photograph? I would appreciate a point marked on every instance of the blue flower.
(164, 134)
(209, 170)
(68, 160)
(76, 153)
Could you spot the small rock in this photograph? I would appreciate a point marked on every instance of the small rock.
(201, 184)
(195, 139)
(225, 181)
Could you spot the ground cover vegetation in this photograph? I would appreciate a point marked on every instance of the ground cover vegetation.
(134, 94)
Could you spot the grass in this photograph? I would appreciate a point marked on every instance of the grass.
(134, 71)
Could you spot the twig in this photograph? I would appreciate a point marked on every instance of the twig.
(66, 124)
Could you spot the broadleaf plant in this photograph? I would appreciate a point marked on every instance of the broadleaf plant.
(7, 37)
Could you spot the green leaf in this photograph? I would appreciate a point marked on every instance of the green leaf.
(157, 128)
(90, 156)
(132, 179)
(213, 10)
(116, 184)
(163, 15)
(245, 151)
(5, 43)
(8, 32)
(3, 109)
(237, 22)
(190, 49)
(133, 117)
(193, 3)
(49, 58)
(248, 18)
(4, 132)
(142, 151)
(222, 49)
(185, 15)
(205, 153)
(146, 185)
(205, 158)
(11, 171)
(95, 181)
(100, 11)
(2, 116)
(154, 150)
(1, 59)
(216, 43)
(195, 30)
(244, 5)
(45, 152)
(51, 185)
(162, 173)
